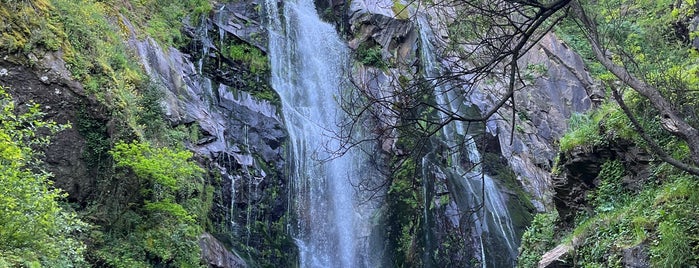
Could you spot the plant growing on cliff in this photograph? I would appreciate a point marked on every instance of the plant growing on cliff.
(537, 239)
(171, 198)
(371, 55)
(35, 230)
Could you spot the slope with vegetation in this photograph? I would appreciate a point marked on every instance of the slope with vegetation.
(135, 196)
(630, 160)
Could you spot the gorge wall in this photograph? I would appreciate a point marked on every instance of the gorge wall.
(217, 88)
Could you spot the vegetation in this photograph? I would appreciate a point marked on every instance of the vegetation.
(35, 228)
(249, 55)
(659, 219)
(162, 221)
(371, 55)
(597, 128)
(537, 239)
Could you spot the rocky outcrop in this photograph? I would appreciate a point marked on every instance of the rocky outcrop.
(580, 170)
(240, 137)
(540, 118)
(48, 83)
(215, 254)
(636, 256)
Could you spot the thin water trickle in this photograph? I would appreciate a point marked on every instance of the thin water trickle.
(492, 225)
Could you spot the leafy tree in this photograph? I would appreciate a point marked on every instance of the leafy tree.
(34, 229)
(159, 225)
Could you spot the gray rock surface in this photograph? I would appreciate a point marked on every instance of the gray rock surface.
(543, 108)
(48, 83)
(240, 137)
(215, 254)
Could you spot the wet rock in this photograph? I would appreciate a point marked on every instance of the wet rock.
(636, 257)
(242, 20)
(396, 37)
(241, 137)
(215, 254)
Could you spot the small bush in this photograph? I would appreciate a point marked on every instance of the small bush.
(537, 239)
(597, 128)
(371, 56)
(252, 56)
(34, 229)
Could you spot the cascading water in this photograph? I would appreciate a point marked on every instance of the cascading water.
(489, 216)
(308, 60)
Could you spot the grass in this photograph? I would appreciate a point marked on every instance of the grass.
(596, 128)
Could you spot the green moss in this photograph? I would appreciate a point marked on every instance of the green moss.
(401, 10)
(371, 55)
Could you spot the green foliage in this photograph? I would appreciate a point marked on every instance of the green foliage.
(96, 138)
(250, 55)
(23, 27)
(161, 222)
(371, 55)
(661, 219)
(164, 166)
(151, 115)
(537, 239)
(583, 130)
(404, 200)
(610, 191)
(651, 39)
(163, 20)
(597, 128)
(34, 229)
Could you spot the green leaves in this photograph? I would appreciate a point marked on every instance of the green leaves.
(168, 168)
(34, 229)
(537, 239)
(166, 225)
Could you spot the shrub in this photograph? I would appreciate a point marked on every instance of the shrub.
(537, 239)
(166, 223)
(34, 229)
(371, 56)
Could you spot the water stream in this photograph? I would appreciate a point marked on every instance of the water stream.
(308, 61)
(308, 70)
(478, 196)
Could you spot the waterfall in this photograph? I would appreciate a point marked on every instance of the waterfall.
(491, 225)
(308, 70)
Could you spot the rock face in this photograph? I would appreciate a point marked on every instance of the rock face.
(48, 83)
(540, 120)
(216, 255)
(241, 137)
(580, 173)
